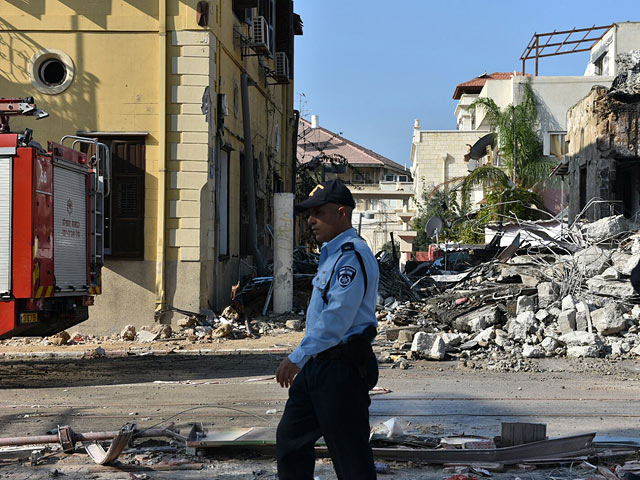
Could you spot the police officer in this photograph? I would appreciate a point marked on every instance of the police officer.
(332, 370)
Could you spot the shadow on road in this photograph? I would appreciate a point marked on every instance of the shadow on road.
(51, 373)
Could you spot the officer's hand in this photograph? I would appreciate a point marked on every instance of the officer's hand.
(286, 372)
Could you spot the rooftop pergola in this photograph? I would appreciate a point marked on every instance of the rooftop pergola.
(561, 43)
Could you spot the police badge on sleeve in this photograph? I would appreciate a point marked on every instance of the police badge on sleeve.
(346, 275)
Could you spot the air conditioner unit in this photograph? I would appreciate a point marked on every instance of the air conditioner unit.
(260, 35)
(281, 74)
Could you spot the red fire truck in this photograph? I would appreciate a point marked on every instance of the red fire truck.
(51, 226)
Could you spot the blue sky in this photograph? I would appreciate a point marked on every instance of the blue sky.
(369, 68)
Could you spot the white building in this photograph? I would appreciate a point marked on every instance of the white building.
(439, 156)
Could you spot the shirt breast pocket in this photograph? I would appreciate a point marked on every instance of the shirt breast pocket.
(320, 281)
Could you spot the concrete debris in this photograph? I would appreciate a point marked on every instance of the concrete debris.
(230, 314)
(577, 302)
(146, 336)
(428, 346)
(60, 338)
(128, 333)
(607, 320)
(605, 228)
(626, 85)
(294, 324)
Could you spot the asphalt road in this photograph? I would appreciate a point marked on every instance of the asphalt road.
(237, 390)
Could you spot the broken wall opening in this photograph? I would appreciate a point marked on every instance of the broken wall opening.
(626, 186)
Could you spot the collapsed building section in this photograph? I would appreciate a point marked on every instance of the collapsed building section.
(603, 159)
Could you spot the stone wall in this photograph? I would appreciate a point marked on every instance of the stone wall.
(603, 156)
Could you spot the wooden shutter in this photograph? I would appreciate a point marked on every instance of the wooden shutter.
(127, 198)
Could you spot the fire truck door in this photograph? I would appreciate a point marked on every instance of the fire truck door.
(6, 180)
(70, 227)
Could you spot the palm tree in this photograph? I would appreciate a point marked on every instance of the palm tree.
(518, 146)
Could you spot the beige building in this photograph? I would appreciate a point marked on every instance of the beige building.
(381, 187)
(195, 100)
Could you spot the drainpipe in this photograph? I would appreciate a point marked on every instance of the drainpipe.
(162, 157)
(248, 170)
(294, 151)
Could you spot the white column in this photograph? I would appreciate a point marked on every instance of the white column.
(283, 253)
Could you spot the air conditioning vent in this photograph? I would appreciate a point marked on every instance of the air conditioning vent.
(260, 35)
(281, 75)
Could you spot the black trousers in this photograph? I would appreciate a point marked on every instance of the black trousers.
(328, 398)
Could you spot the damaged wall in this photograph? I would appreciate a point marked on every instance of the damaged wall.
(603, 156)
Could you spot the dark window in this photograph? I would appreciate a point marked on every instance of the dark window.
(127, 198)
(583, 187)
(242, 9)
(284, 30)
(267, 9)
(223, 204)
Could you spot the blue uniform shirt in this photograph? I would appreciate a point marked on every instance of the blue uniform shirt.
(349, 309)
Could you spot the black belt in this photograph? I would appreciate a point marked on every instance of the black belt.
(347, 350)
(332, 353)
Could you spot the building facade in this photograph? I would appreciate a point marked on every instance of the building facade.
(440, 154)
(182, 92)
(381, 187)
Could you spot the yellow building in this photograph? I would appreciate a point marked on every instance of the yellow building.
(162, 83)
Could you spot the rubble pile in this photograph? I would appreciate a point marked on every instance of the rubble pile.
(573, 299)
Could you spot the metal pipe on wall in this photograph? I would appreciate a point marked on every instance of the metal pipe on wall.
(162, 157)
(248, 166)
(283, 252)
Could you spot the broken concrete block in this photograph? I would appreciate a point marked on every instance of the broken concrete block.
(549, 344)
(385, 357)
(146, 336)
(620, 348)
(580, 339)
(567, 321)
(60, 338)
(224, 330)
(582, 315)
(478, 319)
(568, 303)
(186, 322)
(608, 320)
(428, 345)
(582, 351)
(451, 340)
(591, 261)
(542, 315)
(547, 292)
(610, 274)
(532, 351)
(630, 264)
(230, 314)
(524, 303)
(405, 336)
(606, 228)
(164, 331)
(636, 350)
(392, 333)
(128, 333)
(613, 288)
(501, 338)
(294, 324)
(485, 336)
(635, 311)
(519, 327)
